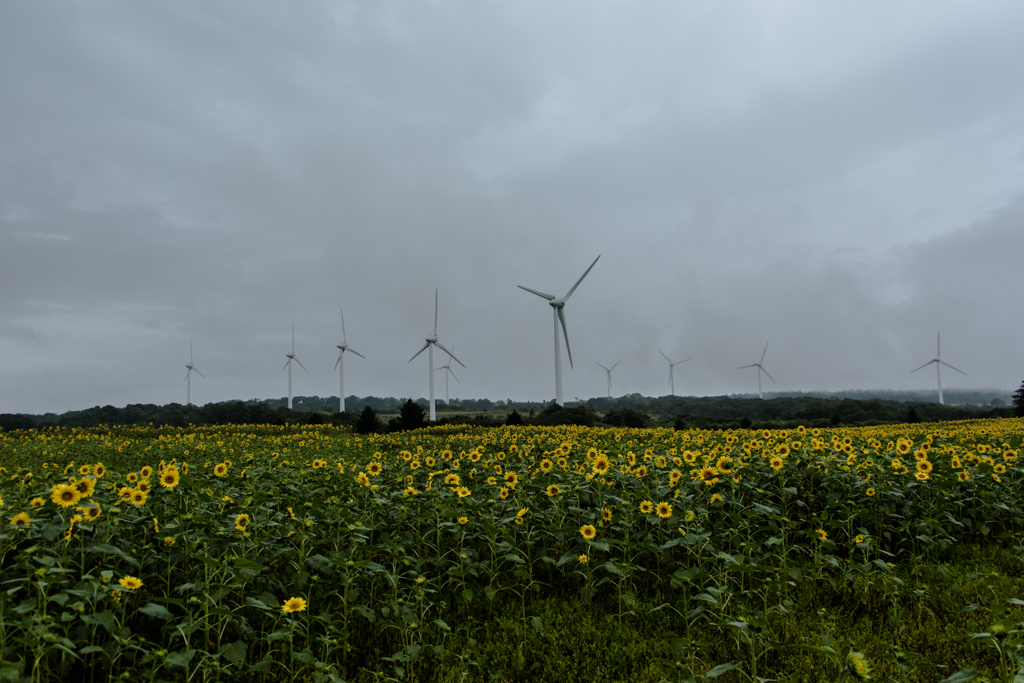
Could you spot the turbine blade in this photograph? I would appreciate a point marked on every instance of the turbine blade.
(565, 333)
(923, 366)
(613, 367)
(337, 363)
(566, 297)
(202, 375)
(450, 354)
(356, 352)
(186, 375)
(681, 361)
(664, 356)
(938, 344)
(752, 365)
(435, 312)
(941, 361)
(453, 374)
(293, 337)
(300, 364)
(419, 352)
(766, 372)
(286, 364)
(764, 352)
(601, 366)
(540, 294)
(190, 358)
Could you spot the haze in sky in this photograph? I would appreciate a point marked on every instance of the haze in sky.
(842, 180)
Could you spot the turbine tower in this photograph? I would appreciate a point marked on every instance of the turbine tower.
(558, 306)
(188, 375)
(451, 372)
(288, 364)
(938, 361)
(431, 343)
(760, 369)
(671, 365)
(609, 372)
(342, 348)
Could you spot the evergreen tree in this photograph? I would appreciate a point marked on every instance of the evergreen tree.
(1018, 401)
(410, 416)
(368, 422)
(514, 419)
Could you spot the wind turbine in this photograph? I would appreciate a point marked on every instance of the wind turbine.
(288, 364)
(451, 372)
(559, 314)
(342, 348)
(760, 369)
(938, 361)
(188, 375)
(671, 365)
(609, 371)
(431, 343)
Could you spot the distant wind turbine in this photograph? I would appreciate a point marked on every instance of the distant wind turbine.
(431, 343)
(448, 368)
(292, 357)
(188, 375)
(342, 348)
(609, 372)
(558, 305)
(671, 366)
(938, 361)
(760, 369)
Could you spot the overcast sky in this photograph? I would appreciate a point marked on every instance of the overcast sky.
(842, 180)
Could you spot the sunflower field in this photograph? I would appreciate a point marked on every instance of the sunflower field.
(512, 554)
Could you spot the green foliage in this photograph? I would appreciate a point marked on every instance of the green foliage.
(1018, 401)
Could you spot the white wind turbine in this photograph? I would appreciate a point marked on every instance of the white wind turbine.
(342, 348)
(938, 361)
(559, 314)
(760, 369)
(671, 365)
(431, 343)
(609, 372)
(188, 375)
(448, 367)
(292, 357)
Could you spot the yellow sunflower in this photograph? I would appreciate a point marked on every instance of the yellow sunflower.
(65, 495)
(646, 507)
(588, 531)
(553, 490)
(242, 522)
(292, 605)
(21, 519)
(130, 582)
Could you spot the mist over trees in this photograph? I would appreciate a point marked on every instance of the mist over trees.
(634, 410)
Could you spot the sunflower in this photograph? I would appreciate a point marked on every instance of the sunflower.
(242, 522)
(716, 498)
(822, 535)
(137, 497)
(646, 507)
(170, 478)
(640, 472)
(553, 490)
(130, 582)
(923, 466)
(999, 469)
(921, 476)
(65, 495)
(293, 605)
(859, 538)
(84, 469)
(414, 465)
(220, 470)
(430, 461)
(582, 559)
(663, 510)
(462, 492)
(143, 486)
(511, 478)
(503, 493)
(963, 476)
(452, 480)
(724, 464)
(374, 468)
(37, 502)
(92, 513)
(132, 478)
(588, 531)
(708, 475)
(463, 521)
(363, 479)
(546, 465)
(21, 519)
(776, 463)
(99, 470)
(606, 514)
(320, 464)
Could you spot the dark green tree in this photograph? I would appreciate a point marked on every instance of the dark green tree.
(368, 422)
(410, 416)
(514, 419)
(1018, 401)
